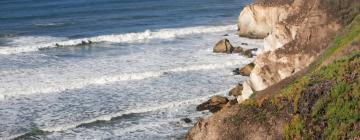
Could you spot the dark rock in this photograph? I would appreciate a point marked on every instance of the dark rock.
(236, 91)
(253, 49)
(244, 44)
(236, 71)
(248, 53)
(186, 120)
(217, 99)
(246, 70)
(231, 103)
(223, 46)
(238, 50)
(226, 35)
(83, 43)
(215, 104)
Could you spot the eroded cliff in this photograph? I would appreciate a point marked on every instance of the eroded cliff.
(323, 102)
(297, 33)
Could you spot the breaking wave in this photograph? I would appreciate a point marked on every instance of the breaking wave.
(109, 79)
(29, 44)
(110, 117)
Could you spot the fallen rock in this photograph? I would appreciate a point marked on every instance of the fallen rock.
(231, 103)
(236, 71)
(238, 50)
(249, 52)
(223, 46)
(215, 104)
(246, 70)
(236, 91)
(244, 44)
(186, 120)
(217, 99)
(226, 35)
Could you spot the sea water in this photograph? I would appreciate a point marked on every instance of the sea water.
(113, 69)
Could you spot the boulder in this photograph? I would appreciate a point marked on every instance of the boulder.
(248, 53)
(186, 120)
(236, 71)
(231, 103)
(236, 91)
(223, 46)
(217, 99)
(246, 70)
(238, 50)
(215, 104)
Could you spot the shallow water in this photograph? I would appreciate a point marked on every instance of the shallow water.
(112, 69)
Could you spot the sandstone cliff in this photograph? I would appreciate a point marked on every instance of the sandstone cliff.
(323, 102)
(295, 34)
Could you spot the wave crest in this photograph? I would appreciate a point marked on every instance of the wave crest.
(116, 115)
(24, 44)
(109, 79)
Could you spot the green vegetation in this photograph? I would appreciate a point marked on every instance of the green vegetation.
(351, 33)
(335, 112)
(322, 104)
(338, 108)
(294, 130)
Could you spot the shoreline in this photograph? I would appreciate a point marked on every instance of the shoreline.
(268, 101)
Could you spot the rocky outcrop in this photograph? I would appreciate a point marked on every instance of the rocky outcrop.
(236, 91)
(246, 70)
(215, 104)
(257, 21)
(223, 46)
(239, 123)
(238, 50)
(296, 36)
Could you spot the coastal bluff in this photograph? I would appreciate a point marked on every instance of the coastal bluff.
(303, 79)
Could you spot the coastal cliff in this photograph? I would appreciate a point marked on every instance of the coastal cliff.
(294, 41)
(307, 72)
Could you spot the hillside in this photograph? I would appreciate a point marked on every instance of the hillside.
(318, 101)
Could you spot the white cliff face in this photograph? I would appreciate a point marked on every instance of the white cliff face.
(257, 21)
(279, 59)
(279, 36)
(246, 92)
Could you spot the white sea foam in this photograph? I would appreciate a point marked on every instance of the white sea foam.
(109, 79)
(48, 24)
(29, 44)
(132, 111)
(108, 117)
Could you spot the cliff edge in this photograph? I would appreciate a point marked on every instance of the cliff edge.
(305, 84)
(295, 33)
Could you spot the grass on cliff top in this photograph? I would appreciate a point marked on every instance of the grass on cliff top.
(350, 34)
(339, 108)
(335, 111)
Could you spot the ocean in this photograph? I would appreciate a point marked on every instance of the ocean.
(113, 69)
